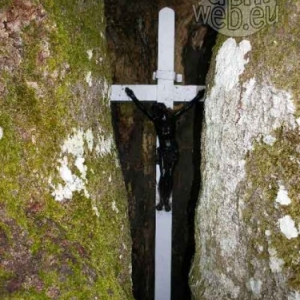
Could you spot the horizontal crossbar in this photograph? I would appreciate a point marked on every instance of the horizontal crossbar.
(148, 92)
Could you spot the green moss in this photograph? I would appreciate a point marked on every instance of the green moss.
(275, 58)
(195, 273)
(76, 252)
(211, 73)
(267, 166)
(275, 50)
(85, 18)
(5, 3)
(11, 158)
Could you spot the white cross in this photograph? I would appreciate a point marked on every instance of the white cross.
(165, 91)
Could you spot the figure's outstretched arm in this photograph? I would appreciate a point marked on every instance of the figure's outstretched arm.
(187, 106)
(138, 103)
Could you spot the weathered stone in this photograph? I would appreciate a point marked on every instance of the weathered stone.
(61, 236)
(247, 241)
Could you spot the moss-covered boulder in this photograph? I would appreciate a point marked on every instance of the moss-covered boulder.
(248, 213)
(64, 232)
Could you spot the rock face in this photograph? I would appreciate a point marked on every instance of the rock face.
(64, 231)
(247, 219)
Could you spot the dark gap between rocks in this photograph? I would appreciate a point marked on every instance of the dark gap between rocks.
(132, 46)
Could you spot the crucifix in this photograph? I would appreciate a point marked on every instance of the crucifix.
(163, 92)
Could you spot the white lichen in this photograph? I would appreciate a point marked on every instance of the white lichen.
(114, 207)
(1, 133)
(275, 263)
(229, 286)
(282, 196)
(294, 296)
(74, 144)
(89, 54)
(38, 90)
(79, 163)
(89, 137)
(269, 140)
(260, 248)
(287, 227)
(96, 211)
(106, 91)
(89, 79)
(104, 145)
(260, 123)
(255, 286)
(64, 171)
(72, 182)
(231, 63)
(268, 233)
(77, 146)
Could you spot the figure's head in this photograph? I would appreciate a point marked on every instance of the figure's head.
(159, 109)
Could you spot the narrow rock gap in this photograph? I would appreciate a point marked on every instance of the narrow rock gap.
(131, 36)
(132, 46)
(196, 56)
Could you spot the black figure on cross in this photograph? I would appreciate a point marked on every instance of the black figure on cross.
(164, 120)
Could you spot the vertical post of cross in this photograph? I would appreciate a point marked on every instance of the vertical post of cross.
(166, 92)
(165, 76)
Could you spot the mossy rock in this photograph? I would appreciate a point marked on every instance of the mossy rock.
(54, 82)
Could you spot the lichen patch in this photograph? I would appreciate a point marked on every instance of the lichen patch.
(294, 296)
(72, 167)
(1, 133)
(269, 140)
(255, 286)
(104, 145)
(275, 263)
(114, 207)
(96, 210)
(89, 54)
(106, 91)
(229, 286)
(72, 182)
(89, 139)
(287, 227)
(231, 62)
(89, 79)
(76, 146)
(282, 196)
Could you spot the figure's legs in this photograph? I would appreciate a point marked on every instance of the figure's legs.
(171, 159)
(159, 161)
(163, 188)
(168, 187)
(167, 162)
